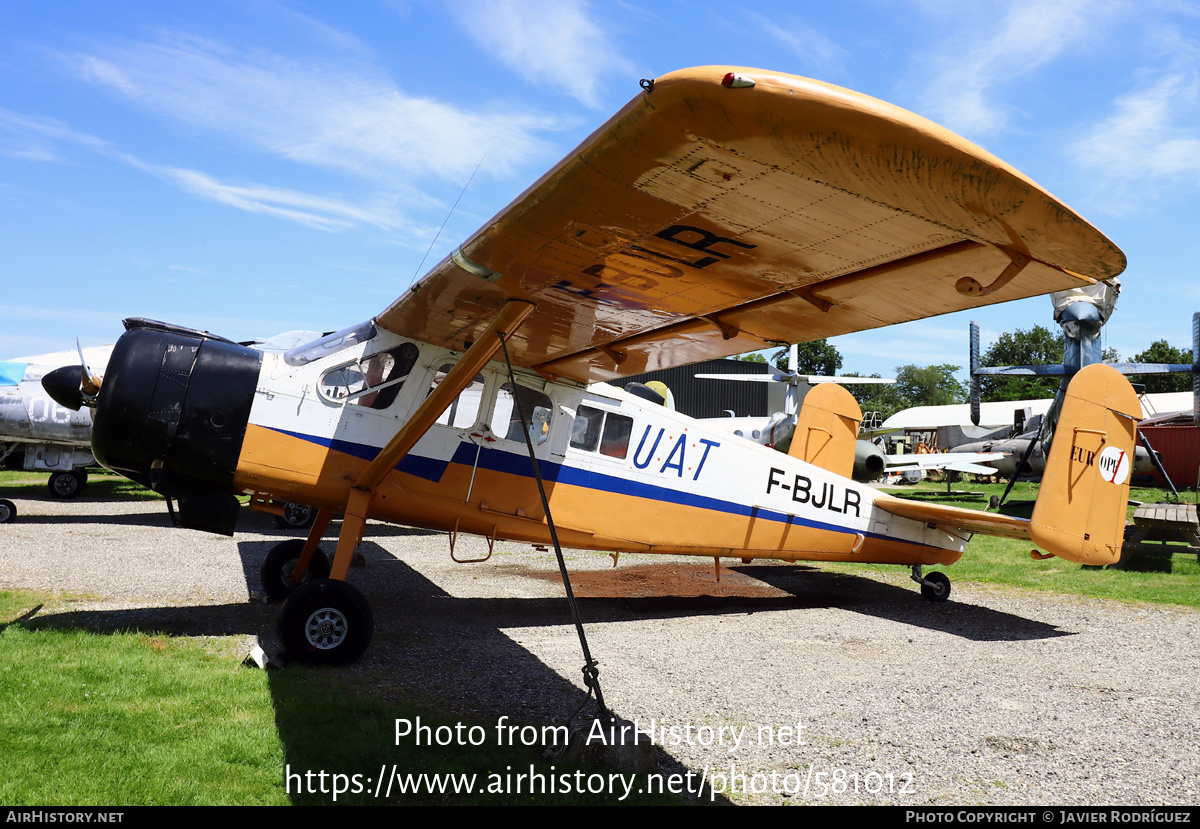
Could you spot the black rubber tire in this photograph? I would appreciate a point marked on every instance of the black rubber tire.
(296, 517)
(938, 590)
(65, 485)
(325, 622)
(8, 511)
(275, 573)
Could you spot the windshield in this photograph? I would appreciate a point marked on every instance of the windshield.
(330, 344)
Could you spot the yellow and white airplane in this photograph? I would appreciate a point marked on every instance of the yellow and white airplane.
(723, 209)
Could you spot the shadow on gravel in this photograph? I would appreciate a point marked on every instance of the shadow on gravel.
(897, 604)
(157, 518)
(673, 589)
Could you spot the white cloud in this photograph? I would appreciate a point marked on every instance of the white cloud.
(313, 211)
(820, 56)
(337, 113)
(553, 43)
(1151, 135)
(964, 79)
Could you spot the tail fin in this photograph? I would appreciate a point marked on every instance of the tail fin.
(827, 429)
(1080, 511)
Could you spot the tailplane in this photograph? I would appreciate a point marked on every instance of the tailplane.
(1080, 510)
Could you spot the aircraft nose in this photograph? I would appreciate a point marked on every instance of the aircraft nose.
(64, 386)
(172, 414)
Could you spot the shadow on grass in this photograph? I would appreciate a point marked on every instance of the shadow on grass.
(431, 652)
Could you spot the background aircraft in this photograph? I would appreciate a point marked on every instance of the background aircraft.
(777, 429)
(1082, 313)
(37, 433)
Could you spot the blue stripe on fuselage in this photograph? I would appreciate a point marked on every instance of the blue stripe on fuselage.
(496, 460)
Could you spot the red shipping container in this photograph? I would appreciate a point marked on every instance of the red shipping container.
(1179, 450)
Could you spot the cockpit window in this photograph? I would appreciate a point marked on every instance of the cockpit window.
(330, 344)
(372, 382)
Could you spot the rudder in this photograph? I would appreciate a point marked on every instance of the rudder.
(1080, 510)
(827, 429)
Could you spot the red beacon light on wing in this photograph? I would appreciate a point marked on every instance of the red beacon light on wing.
(732, 80)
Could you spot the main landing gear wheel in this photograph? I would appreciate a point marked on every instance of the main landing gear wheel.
(936, 587)
(325, 622)
(8, 511)
(276, 571)
(296, 517)
(65, 484)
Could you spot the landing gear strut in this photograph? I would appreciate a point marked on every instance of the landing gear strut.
(935, 587)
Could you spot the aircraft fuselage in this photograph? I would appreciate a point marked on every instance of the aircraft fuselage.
(622, 474)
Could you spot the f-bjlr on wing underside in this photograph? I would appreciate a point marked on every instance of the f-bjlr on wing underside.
(705, 220)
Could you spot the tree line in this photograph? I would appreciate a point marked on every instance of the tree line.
(938, 386)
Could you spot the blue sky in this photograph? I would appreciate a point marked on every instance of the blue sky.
(253, 167)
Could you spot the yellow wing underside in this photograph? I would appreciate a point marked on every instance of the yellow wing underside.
(703, 221)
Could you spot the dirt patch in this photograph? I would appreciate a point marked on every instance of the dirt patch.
(667, 579)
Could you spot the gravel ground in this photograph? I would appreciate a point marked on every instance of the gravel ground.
(998, 697)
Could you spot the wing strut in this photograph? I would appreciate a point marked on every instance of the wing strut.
(358, 500)
(478, 355)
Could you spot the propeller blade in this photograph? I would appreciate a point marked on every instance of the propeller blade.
(745, 378)
(90, 383)
(841, 381)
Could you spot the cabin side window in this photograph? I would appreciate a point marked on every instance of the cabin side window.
(536, 406)
(371, 382)
(585, 431)
(464, 410)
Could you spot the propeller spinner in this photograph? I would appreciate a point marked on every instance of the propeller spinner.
(73, 386)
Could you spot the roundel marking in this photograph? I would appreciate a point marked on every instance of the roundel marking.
(1113, 464)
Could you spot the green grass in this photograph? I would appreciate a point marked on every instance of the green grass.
(123, 718)
(132, 717)
(1008, 562)
(101, 484)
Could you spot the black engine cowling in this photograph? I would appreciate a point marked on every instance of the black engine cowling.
(172, 414)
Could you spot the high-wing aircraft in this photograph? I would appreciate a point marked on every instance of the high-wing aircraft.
(721, 211)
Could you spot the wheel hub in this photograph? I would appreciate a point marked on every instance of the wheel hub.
(285, 575)
(326, 628)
